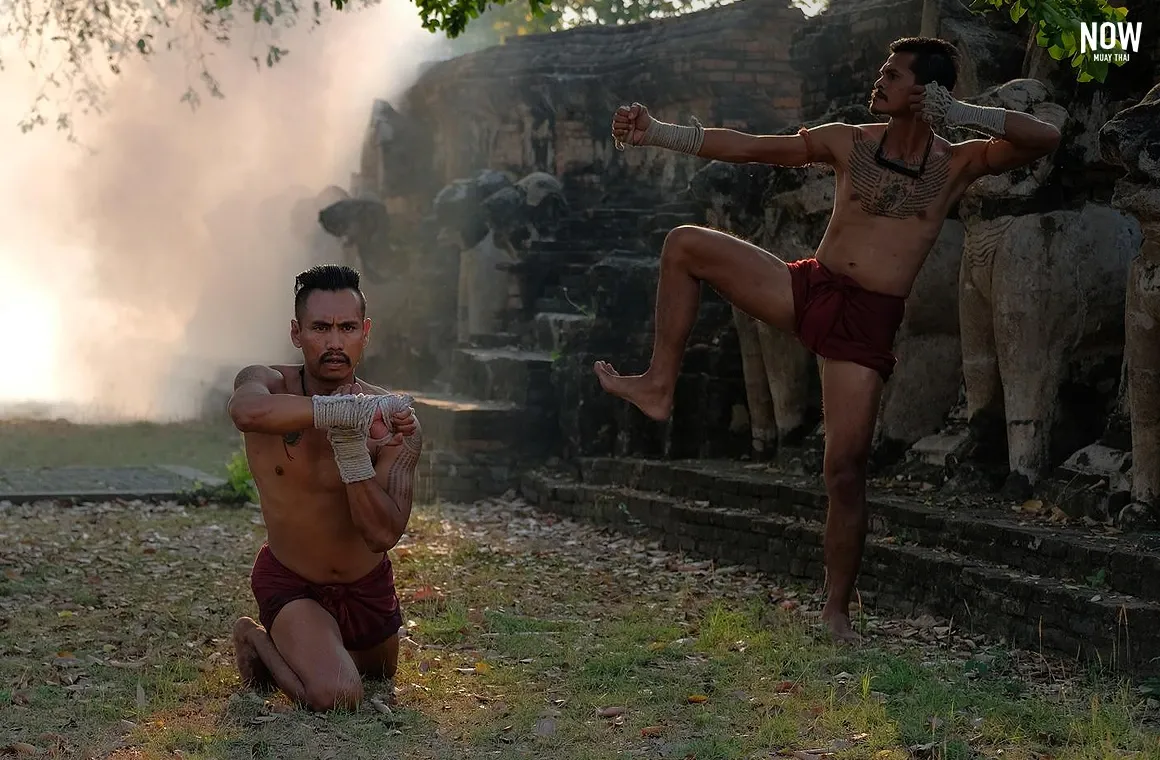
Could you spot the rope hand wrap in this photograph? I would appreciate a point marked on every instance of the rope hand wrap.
(347, 420)
(939, 107)
(674, 136)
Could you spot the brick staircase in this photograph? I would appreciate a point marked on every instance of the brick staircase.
(496, 411)
(1040, 585)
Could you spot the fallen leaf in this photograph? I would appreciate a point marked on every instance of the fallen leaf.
(696, 699)
(611, 712)
(423, 593)
(652, 730)
(482, 667)
(263, 718)
(140, 697)
(545, 727)
(20, 748)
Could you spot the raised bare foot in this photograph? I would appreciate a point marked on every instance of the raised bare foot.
(252, 670)
(638, 390)
(840, 630)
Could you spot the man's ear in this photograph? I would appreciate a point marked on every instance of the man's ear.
(295, 333)
(366, 330)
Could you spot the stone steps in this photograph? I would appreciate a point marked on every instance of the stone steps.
(978, 595)
(475, 448)
(1126, 565)
(450, 418)
(551, 329)
(506, 374)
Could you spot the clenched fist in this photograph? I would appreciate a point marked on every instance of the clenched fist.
(629, 124)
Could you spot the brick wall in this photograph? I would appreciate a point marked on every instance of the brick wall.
(545, 102)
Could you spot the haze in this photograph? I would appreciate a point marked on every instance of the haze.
(133, 279)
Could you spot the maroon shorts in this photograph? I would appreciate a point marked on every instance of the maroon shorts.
(838, 319)
(367, 610)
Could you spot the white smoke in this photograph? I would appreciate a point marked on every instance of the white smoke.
(135, 277)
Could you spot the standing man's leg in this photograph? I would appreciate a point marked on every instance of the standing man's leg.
(754, 281)
(850, 396)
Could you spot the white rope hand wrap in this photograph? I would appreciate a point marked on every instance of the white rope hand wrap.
(674, 137)
(940, 108)
(347, 420)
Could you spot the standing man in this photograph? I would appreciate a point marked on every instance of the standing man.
(894, 184)
(333, 458)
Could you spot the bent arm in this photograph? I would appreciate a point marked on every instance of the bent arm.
(257, 407)
(808, 146)
(1025, 139)
(380, 507)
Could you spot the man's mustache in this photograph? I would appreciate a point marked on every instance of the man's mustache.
(335, 357)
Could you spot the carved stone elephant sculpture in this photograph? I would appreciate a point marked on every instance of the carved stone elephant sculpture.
(1132, 140)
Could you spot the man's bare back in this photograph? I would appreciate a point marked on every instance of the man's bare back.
(894, 185)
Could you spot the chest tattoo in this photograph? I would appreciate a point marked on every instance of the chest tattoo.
(882, 192)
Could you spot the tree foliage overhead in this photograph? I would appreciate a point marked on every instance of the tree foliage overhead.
(75, 44)
(1057, 28)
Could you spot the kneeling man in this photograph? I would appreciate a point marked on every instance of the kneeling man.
(333, 458)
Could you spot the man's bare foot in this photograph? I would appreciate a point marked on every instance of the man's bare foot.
(638, 390)
(840, 630)
(252, 670)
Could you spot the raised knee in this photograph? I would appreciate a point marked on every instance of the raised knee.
(681, 242)
(336, 696)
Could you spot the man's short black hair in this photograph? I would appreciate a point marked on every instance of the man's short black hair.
(332, 277)
(934, 60)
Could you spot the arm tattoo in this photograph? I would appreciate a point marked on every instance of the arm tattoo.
(882, 192)
(401, 473)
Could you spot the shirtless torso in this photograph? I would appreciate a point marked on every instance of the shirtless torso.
(884, 223)
(894, 184)
(333, 458)
(304, 501)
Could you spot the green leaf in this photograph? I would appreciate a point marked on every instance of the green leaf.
(1017, 11)
(257, 13)
(1120, 13)
(1056, 52)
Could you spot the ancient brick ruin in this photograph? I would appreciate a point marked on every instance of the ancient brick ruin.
(506, 244)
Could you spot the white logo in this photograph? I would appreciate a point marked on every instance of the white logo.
(1110, 41)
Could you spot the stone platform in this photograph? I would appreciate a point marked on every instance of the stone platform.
(158, 482)
(1042, 586)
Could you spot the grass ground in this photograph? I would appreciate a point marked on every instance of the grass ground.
(529, 637)
(204, 445)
